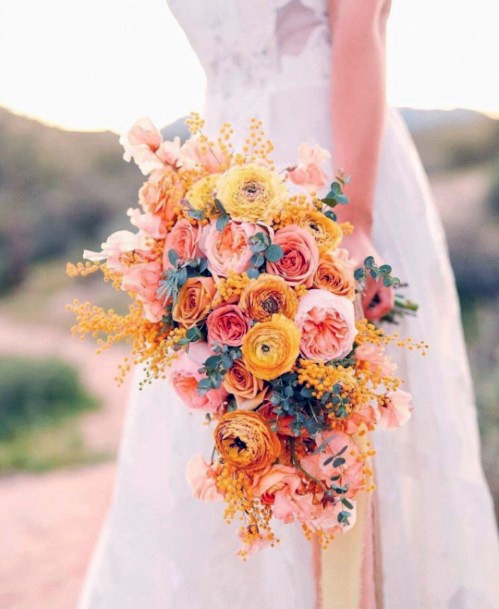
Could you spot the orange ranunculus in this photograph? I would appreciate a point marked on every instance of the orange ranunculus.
(194, 301)
(270, 348)
(266, 296)
(246, 388)
(335, 275)
(326, 232)
(244, 440)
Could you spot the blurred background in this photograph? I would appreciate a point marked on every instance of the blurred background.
(72, 76)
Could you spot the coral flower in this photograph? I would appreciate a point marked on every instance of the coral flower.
(244, 440)
(227, 326)
(266, 296)
(183, 239)
(326, 232)
(270, 348)
(162, 194)
(251, 192)
(194, 300)
(278, 478)
(300, 256)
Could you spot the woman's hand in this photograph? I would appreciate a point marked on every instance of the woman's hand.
(377, 299)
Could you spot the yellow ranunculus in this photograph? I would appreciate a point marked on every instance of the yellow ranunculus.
(327, 233)
(266, 296)
(270, 348)
(251, 192)
(201, 195)
(245, 440)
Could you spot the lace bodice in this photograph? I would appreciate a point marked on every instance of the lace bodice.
(251, 49)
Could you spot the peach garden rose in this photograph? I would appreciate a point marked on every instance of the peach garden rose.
(327, 323)
(229, 249)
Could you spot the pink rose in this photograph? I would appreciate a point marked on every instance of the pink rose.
(327, 518)
(185, 378)
(396, 410)
(308, 172)
(195, 154)
(144, 144)
(327, 322)
(289, 506)
(300, 256)
(118, 244)
(184, 239)
(229, 249)
(276, 479)
(350, 472)
(151, 224)
(373, 358)
(227, 326)
(279, 487)
(142, 279)
(202, 480)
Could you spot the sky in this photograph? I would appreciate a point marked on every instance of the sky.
(100, 64)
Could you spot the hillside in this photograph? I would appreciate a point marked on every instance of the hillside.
(57, 190)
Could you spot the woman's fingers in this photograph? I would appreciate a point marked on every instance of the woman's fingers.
(380, 303)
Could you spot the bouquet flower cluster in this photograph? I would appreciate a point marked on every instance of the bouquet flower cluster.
(242, 293)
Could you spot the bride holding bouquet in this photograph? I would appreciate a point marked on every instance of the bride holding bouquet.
(312, 71)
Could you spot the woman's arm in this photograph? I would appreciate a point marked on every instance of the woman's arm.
(358, 102)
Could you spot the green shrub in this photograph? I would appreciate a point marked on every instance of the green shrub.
(36, 393)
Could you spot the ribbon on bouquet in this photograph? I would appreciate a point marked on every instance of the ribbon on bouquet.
(348, 573)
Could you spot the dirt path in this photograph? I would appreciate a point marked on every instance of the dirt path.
(50, 522)
(49, 527)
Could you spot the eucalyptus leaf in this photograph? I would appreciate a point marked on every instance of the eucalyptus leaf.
(274, 253)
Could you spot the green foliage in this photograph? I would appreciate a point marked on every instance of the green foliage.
(223, 218)
(382, 273)
(263, 250)
(336, 196)
(35, 393)
(176, 277)
(217, 366)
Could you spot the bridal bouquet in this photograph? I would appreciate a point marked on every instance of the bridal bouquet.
(242, 295)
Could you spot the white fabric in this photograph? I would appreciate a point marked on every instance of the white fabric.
(163, 550)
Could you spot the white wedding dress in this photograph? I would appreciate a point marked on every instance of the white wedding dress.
(161, 549)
